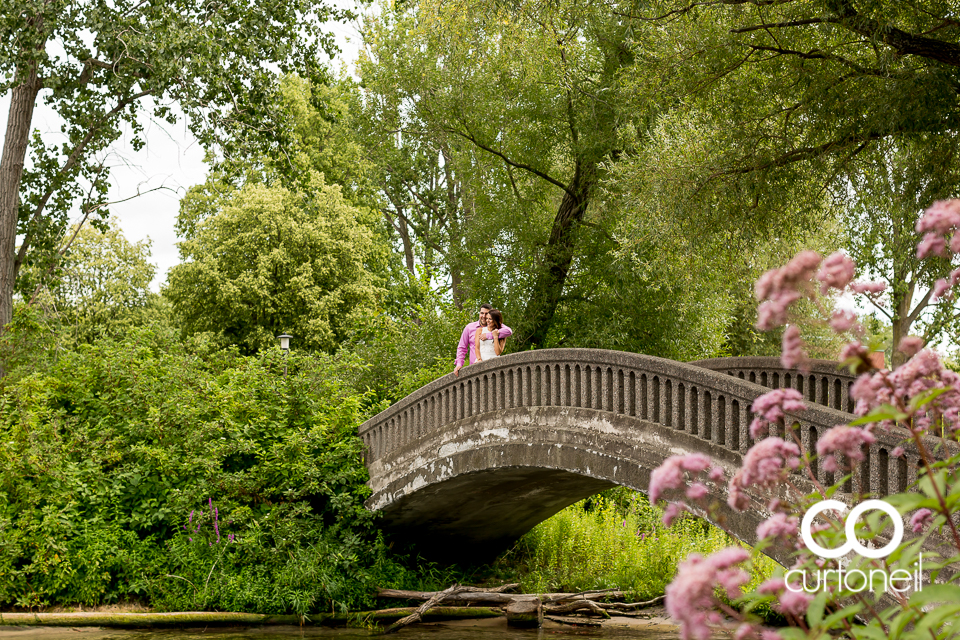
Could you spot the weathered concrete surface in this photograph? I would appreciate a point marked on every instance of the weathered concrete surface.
(475, 487)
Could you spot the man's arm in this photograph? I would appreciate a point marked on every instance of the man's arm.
(462, 349)
(505, 331)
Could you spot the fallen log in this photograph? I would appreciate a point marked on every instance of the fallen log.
(578, 605)
(497, 597)
(628, 606)
(219, 618)
(593, 594)
(417, 615)
(459, 598)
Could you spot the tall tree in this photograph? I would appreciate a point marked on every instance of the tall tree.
(885, 198)
(531, 88)
(265, 260)
(101, 63)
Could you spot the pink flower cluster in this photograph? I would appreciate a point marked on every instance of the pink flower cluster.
(690, 598)
(779, 525)
(771, 408)
(847, 441)
(922, 373)
(940, 220)
(837, 272)
(766, 465)
(789, 601)
(671, 475)
(921, 520)
(779, 288)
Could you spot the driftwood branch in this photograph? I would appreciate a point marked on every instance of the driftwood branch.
(417, 615)
(578, 605)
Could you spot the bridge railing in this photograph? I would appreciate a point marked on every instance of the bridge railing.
(710, 405)
(824, 383)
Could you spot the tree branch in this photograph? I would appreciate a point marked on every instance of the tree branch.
(67, 166)
(905, 43)
(518, 165)
(779, 25)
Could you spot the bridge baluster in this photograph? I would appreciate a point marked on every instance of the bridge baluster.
(565, 387)
(681, 403)
(883, 472)
(810, 446)
(900, 468)
(708, 417)
(668, 403)
(837, 400)
(502, 389)
(485, 391)
(644, 403)
(546, 376)
(607, 389)
(861, 478)
(589, 391)
(632, 394)
(621, 405)
(720, 436)
(695, 412)
(655, 383)
(736, 440)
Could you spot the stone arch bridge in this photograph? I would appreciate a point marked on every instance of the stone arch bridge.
(468, 464)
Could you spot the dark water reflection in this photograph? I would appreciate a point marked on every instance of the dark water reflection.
(495, 629)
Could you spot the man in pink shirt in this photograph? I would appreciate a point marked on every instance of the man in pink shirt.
(468, 336)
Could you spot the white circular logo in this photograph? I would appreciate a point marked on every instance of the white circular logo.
(852, 542)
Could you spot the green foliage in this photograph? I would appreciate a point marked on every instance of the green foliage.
(403, 355)
(107, 451)
(103, 285)
(600, 544)
(265, 260)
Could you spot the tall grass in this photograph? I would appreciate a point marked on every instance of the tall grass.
(616, 539)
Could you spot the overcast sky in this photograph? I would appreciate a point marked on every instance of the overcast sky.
(171, 158)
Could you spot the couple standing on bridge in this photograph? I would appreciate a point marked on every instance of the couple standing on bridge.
(483, 339)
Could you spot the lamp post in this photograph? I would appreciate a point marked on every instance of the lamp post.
(285, 345)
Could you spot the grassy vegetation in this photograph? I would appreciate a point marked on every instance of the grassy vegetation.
(615, 539)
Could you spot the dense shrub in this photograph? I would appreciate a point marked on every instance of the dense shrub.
(139, 467)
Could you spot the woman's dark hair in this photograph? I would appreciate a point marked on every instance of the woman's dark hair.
(497, 318)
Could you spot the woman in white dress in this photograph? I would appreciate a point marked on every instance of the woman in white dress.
(488, 342)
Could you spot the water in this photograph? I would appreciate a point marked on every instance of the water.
(491, 629)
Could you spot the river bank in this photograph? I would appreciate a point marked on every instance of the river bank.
(653, 624)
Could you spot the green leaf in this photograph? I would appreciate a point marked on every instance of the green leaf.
(817, 606)
(935, 593)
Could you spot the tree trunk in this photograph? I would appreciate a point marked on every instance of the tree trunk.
(902, 298)
(558, 256)
(23, 99)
